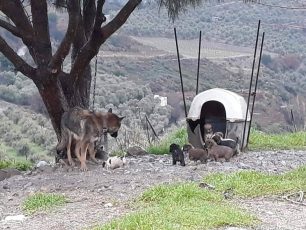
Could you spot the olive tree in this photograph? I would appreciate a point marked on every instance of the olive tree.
(87, 30)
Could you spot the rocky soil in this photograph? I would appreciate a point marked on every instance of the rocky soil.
(97, 196)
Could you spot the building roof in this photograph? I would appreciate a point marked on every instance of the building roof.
(234, 104)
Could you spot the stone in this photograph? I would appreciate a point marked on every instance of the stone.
(136, 151)
(15, 218)
(151, 159)
(46, 169)
(8, 172)
(6, 186)
(29, 184)
(108, 205)
(243, 166)
(235, 228)
(41, 164)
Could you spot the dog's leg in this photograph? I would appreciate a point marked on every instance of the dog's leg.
(77, 149)
(70, 161)
(92, 152)
(84, 147)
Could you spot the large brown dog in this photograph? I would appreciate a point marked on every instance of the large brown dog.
(85, 127)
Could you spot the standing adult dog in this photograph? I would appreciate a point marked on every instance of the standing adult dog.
(85, 127)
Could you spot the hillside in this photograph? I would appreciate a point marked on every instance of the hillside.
(141, 61)
(230, 22)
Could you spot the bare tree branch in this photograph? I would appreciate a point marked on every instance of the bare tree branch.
(100, 17)
(99, 36)
(119, 20)
(42, 46)
(63, 49)
(89, 12)
(11, 28)
(14, 10)
(17, 61)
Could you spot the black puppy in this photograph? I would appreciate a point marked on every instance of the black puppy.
(177, 154)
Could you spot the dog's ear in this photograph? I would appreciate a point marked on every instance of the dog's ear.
(121, 118)
(110, 110)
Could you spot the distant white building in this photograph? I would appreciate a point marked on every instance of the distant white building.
(163, 100)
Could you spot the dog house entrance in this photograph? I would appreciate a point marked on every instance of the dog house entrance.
(213, 112)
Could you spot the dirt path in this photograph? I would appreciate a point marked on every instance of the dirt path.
(100, 195)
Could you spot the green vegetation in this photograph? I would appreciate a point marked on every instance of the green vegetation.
(221, 22)
(25, 136)
(258, 141)
(264, 141)
(181, 206)
(178, 136)
(187, 206)
(128, 84)
(254, 184)
(20, 165)
(42, 201)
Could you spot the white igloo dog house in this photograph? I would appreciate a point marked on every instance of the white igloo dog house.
(224, 109)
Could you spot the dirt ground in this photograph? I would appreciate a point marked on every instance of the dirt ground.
(97, 196)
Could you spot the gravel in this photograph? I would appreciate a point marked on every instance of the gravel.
(97, 196)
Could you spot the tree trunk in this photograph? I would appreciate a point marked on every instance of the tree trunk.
(58, 95)
(85, 34)
(54, 99)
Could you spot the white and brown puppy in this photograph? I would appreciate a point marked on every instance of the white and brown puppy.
(114, 162)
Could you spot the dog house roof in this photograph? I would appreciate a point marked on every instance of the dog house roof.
(234, 104)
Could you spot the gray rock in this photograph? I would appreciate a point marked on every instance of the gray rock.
(235, 228)
(108, 205)
(46, 168)
(243, 166)
(135, 151)
(29, 184)
(15, 218)
(41, 164)
(151, 159)
(7, 173)
(6, 186)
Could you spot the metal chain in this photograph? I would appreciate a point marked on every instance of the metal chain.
(94, 86)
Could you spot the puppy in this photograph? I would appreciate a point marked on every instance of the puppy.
(177, 154)
(218, 151)
(114, 162)
(219, 134)
(227, 142)
(195, 154)
(208, 131)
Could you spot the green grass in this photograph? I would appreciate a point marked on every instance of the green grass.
(181, 206)
(264, 141)
(42, 201)
(178, 136)
(255, 184)
(20, 165)
(258, 141)
(8, 152)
